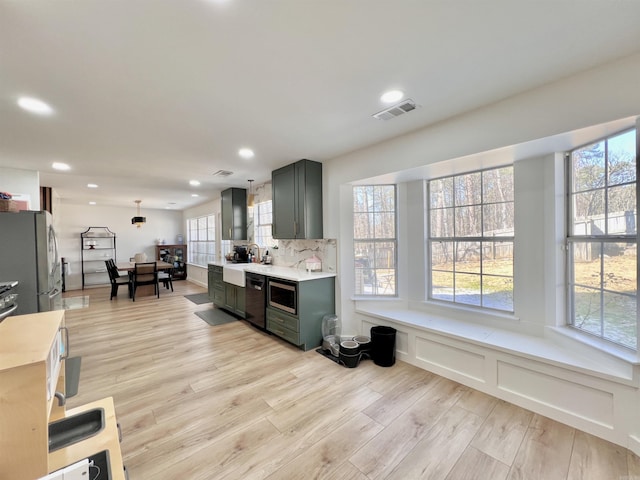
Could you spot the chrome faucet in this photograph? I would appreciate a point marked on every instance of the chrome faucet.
(60, 397)
(257, 248)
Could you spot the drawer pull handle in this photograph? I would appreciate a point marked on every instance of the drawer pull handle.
(66, 343)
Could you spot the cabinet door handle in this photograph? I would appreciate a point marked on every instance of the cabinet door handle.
(66, 343)
(295, 229)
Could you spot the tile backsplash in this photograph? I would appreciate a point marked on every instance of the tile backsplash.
(293, 253)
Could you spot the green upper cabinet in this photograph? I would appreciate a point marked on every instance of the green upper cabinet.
(234, 214)
(297, 200)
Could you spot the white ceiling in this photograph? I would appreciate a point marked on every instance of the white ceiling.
(149, 94)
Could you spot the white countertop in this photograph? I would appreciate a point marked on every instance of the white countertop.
(286, 273)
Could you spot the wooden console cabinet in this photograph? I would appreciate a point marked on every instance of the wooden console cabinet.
(31, 348)
(175, 254)
(26, 342)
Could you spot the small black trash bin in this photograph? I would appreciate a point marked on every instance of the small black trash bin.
(383, 345)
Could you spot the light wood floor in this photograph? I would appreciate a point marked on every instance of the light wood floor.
(231, 402)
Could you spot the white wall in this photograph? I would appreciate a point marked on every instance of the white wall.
(71, 220)
(27, 182)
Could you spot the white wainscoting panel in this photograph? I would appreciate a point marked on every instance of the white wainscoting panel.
(586, 402)
(451, 358)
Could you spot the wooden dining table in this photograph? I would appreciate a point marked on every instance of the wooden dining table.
(130, 266)
(144, 289)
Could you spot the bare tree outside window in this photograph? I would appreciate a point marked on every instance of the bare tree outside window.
(471, 236)
(374, 239)
(602, 260)
(262, 221)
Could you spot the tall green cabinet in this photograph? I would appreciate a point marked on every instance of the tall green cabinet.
(297, 200)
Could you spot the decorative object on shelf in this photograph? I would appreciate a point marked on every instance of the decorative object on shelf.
(313, 264)
(91, 244)
(138, 220)
(251, 197)
(6, 203)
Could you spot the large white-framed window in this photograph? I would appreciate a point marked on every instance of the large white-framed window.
(471, 238)
(201, 240)
(602, 239)
(374, 240)
(263, 215)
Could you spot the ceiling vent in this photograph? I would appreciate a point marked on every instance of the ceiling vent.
(397, 110)
(223, 173)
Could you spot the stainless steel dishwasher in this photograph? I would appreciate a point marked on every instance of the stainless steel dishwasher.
(256, 289)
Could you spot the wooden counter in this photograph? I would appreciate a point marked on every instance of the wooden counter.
(26, 342)
(28, 348)
(106, 439)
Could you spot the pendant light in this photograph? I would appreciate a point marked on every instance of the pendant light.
(138, 220)
(251, 197)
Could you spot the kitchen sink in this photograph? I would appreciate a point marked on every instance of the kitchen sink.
(70, 430)
(234, 274)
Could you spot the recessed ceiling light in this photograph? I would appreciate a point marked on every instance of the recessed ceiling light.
(92, 203)
(92, 185)
(246, 153)
(34, 105)
(195, 195)
(60, 166)
(392, 96)
(194, 183)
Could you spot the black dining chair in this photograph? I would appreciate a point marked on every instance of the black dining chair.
(116, 279)
(166, 278)
(145, 274)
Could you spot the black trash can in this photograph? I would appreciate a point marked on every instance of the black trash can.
(383, 345)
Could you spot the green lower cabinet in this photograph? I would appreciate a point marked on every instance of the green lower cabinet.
(218, 297)
(216, 285)
(234, 299)
(316, 298)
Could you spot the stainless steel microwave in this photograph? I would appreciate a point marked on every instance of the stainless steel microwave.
(283, 295)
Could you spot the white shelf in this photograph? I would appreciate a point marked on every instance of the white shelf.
(103, 241)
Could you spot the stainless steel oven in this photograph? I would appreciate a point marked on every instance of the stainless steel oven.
(283, 295)
(8, 299)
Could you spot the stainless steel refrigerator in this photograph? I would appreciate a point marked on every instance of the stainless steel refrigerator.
(29, 254)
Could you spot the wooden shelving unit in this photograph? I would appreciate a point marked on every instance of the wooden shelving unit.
(175, 254)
